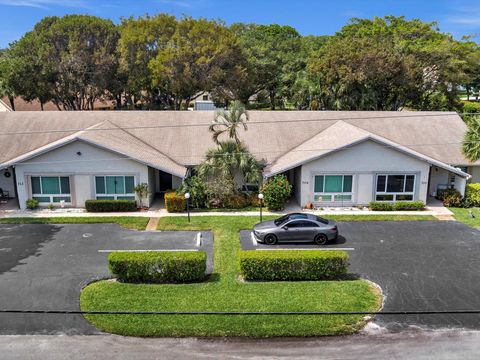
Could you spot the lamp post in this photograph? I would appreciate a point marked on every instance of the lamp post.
(187, 196)
(260, 197)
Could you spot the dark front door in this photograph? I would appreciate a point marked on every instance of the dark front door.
(165, 181)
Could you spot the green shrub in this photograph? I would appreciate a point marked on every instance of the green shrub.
(110, 205)
(409, 205)
(32, 204)
(158, 266)
(381, 206)
(472, 195)
(175, 202)
(197, 189)
(450, 197)
(237, 201)
(471, 107)
(396, 206)
(276, 191)
(275, 265)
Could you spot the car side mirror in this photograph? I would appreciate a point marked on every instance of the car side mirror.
(285, 227)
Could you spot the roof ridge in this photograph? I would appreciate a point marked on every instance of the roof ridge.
(313, 136)
(143, 142)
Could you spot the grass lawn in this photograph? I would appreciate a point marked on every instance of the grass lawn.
(464, 215)
(224, 292)
(134, 222)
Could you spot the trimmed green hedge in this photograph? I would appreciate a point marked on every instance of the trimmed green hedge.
(110, 205)
(158, 266)
(397, 206)
(175, 202)
(288, 265)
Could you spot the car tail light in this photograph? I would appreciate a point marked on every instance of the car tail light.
(334, 228)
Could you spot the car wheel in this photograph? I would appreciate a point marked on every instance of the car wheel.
(270, 239)
(321, 239)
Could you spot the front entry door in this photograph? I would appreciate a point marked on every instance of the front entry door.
(165, 181)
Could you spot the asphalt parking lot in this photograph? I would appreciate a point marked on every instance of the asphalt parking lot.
(420, 265)
(44, 267)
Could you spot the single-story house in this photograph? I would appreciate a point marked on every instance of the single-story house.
(332, 158)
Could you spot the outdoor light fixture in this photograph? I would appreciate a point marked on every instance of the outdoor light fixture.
(187, 196)
(260, 197)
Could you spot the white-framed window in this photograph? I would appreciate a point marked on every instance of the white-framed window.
(51, 189)
(333, 188)
(115, 187)
(395, 187)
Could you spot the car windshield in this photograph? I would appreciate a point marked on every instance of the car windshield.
(322, 220)
(288, 217)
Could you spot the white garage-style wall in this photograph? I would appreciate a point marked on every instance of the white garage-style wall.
(363, 161)
(80, 162)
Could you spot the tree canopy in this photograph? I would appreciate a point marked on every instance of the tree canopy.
(163, 62)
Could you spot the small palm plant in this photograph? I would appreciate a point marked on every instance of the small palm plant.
(228, 122)
(142, 192)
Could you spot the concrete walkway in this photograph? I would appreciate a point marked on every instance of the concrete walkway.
(432, 211)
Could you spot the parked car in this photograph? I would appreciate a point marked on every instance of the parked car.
(296, 227)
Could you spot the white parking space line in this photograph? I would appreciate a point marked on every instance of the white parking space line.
(312, 248)
(254, 239)
(144, 250)
(199, 239)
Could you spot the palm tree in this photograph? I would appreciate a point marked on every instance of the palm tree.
(228, 121)
(228, 160)
(471, 140)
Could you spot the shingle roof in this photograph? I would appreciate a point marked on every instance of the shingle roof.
(176, 139)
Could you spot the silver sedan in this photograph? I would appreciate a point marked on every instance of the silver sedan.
(296, 227)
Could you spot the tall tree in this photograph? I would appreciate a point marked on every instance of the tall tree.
(471, 140)
(199, 55)
(272, 51)
(7, 70)
(75, 58)
(140, 41)
(420, 66)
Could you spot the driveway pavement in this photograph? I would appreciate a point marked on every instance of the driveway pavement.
(44, 267)
(420, 265)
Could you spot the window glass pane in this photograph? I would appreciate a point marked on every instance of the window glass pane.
(294, 224)
(42, 199)
(57, 199)
(395, 183)
(129, 184)
(36, 185)
(100, 184)
(381, 181)
(322, 198)
(333, 183)
(50, 185)
(404, 197)
(307, 224)
(125, 197)
(384, 198)
(347, 183)
(105, 197)
(111, 185)
(409, 183)
(65, 185)
(343, 197)
(119, 185)
(297, 216)
(318, 184)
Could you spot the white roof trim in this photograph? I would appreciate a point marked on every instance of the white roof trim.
(72, 138)
(380, 140)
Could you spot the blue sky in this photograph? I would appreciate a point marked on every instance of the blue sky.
(309, 17)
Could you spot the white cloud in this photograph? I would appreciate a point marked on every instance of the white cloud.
(43, 4)
(179, 3)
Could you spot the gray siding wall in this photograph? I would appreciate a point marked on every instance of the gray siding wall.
(82, 169)
(364, 161)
